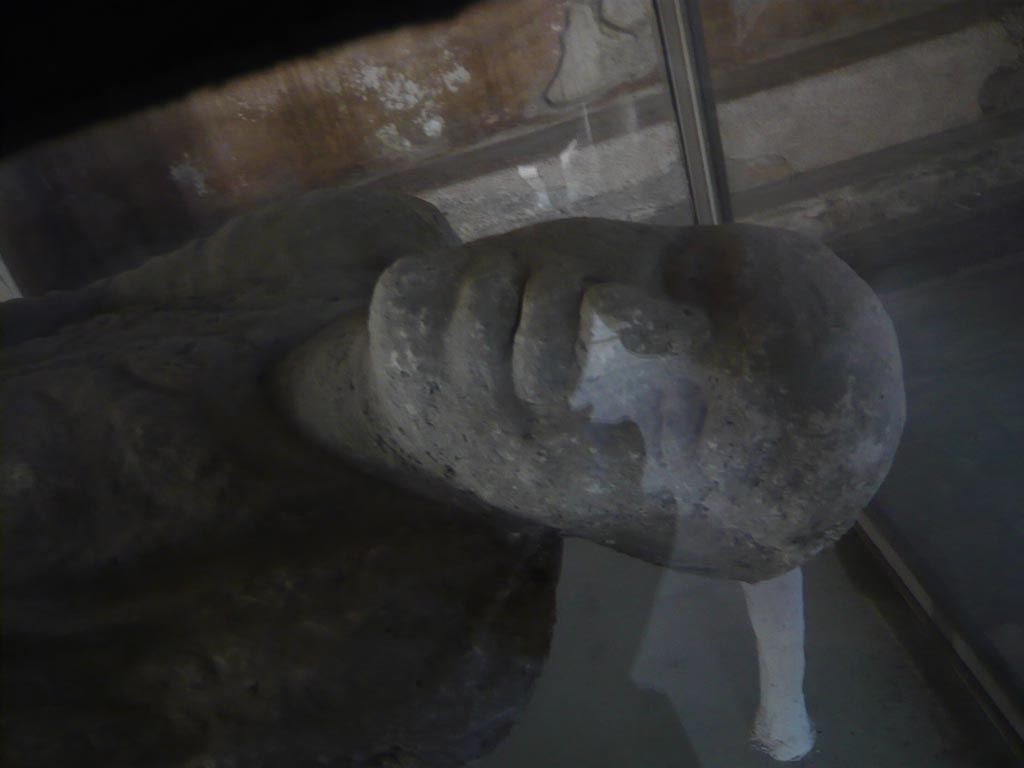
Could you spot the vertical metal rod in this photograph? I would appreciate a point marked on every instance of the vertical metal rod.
(8, 288)
(1008, 714)
(698, 129)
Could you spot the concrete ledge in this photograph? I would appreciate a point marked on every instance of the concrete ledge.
(836, 151)
(942, 170)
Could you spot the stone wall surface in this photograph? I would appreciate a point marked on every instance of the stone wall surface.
(106, 198)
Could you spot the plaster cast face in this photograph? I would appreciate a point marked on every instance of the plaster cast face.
(542, 376)
(709, 398)
(542, 368)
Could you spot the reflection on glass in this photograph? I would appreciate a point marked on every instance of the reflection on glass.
(379, 627)
(597, 139)
(507, 113)
(895, 132)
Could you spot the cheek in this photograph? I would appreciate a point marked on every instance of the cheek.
(409, 311)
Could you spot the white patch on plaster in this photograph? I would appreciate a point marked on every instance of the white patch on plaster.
(394, 89)
(398, 93)
(392, 139)
(187, 174)
(433, 126)
(456, 77)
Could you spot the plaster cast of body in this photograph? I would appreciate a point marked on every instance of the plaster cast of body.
(720, 400)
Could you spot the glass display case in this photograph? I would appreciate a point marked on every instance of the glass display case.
(893, 132)
(889, 131)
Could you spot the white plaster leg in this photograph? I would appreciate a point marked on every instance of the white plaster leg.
(776, 607)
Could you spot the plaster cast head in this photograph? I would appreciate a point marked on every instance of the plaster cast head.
(718, 399)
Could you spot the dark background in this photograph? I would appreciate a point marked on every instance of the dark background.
(66, 65)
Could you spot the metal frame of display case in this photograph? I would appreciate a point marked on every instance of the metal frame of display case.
(1000, 706)
(687, 71)
(689, 83)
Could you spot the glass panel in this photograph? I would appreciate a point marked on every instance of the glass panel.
(594, 134)
(240, 542)
(509, 113)
(894, 132)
